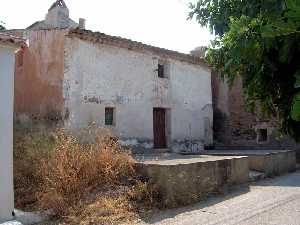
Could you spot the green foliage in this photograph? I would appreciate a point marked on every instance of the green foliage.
(260, 41)
(1, 26)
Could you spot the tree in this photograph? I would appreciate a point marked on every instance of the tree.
(260, 41)
(1, 25)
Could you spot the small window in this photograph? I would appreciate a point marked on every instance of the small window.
(161, 71)
(262, 135)
(109, 116)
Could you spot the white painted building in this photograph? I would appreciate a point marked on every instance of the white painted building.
(8, 46)
(150, 97)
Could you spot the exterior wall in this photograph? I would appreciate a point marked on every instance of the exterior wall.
(242, 123)
(221, 127)
(6, 132)
(99, 76)
(234, 126)
(39, 75)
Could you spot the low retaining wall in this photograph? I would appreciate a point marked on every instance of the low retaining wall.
(187, 180)
(274, 164)
(270, 162)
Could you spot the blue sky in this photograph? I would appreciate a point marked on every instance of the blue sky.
(160, 23)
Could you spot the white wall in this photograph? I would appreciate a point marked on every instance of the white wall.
(98, 75)
(6, 132)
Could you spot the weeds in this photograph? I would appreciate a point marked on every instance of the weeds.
(85, 180)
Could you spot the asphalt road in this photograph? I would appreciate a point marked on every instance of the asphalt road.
(269, 202)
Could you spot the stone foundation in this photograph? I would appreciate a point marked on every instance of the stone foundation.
(140, 146)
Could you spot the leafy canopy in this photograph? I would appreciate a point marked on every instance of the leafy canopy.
(260, 41)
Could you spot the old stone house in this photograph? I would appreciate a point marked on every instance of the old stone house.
(234, 126)
(150, 97)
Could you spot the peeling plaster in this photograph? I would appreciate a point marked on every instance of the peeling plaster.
(100, 76)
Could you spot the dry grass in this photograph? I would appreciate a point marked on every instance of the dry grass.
(85, 180)
(30, 148)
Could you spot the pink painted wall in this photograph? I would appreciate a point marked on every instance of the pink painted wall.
(39, 75)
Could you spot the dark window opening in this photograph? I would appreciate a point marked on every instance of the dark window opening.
(161, 71)
(109, 116)
(262, 135)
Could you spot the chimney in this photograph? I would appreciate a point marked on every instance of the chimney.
(81, 23)
(58, 15)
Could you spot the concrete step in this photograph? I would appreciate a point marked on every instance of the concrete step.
(256, 176)
(30, 218)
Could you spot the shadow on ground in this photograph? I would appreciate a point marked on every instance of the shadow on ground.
(286, 180)
(209, 201)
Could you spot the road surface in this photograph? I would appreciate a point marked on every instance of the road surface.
(268, 202)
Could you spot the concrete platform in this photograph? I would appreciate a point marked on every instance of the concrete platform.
(183, 180)
(270, 162)
(11, 223)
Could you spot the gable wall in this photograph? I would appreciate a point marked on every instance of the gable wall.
(38, 81)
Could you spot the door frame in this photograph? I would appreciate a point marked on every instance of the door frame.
(167, 128)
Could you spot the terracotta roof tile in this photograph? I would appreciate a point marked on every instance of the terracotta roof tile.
(133, 45)
(12, 40)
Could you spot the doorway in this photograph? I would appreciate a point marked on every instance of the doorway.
(159, 128)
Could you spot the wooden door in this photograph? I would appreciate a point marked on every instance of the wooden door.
(159, 128)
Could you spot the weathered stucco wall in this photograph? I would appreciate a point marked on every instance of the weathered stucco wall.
(39, 75)
(99, 76)
(6, 131)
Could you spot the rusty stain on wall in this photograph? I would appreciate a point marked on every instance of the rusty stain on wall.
(39, 78)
